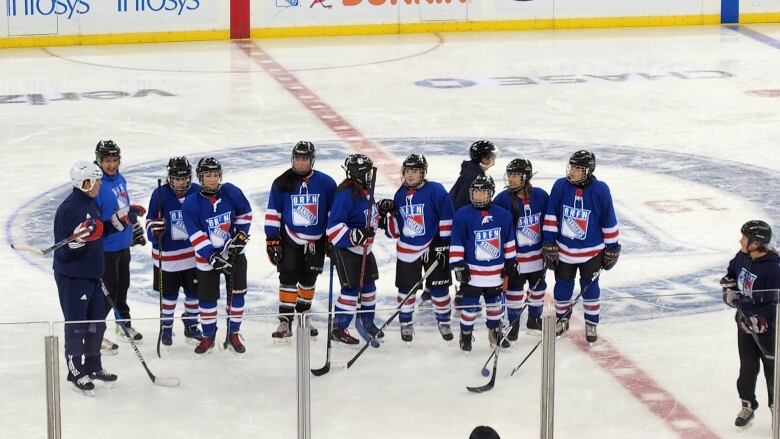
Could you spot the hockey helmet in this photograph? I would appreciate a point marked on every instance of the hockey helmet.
(415, 161)
(304, 149)
(107, 148)
(208, 164)
(585, 161)
(359, 168)
(82, 171)
(481, 183)
(179, 168)
(757, 232)
(522, 167)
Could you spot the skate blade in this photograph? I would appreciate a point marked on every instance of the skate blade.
(127, 340)
(284, 341)
(109, 352)
(533, 332)
(232, 350)
(88, 393)
(106, 385)
(208, 353)
(192, 341)
(342, 345)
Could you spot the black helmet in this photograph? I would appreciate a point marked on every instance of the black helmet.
(207, 164)
(482, 182)
(415, 161)
(584, 160)
(179, 167)
(107, 148)
(758, 232)
(481, 149)
(522, 167)
(359, 168)
(304, 149)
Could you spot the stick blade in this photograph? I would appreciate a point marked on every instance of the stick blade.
(482, 389)
(167, 381)
(321, 371)
(27, 248)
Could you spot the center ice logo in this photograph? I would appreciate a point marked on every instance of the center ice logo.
(746, 279)
(529, 231)
(305, 208)
(414, 219)
(487, 244)
(219, 229)
(178, 230)
(575, 222)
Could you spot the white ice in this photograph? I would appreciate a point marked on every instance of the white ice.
(689, 158)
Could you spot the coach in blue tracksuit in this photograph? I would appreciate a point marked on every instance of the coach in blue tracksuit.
(78, 267)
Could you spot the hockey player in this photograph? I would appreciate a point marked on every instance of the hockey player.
(295, 223)
(421, 219)
(78, 267)
(165, 225)
(482, 154)
(751, 285)
(482, 252)
(122, 230)
(217, 219)
(351, 228)
(527, 204)
(580, 233)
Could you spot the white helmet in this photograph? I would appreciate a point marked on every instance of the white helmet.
(85, 171)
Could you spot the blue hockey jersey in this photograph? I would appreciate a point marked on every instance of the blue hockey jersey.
(211, 221)
(349, 213)
(304, 213)
(529, 217)
(112, 197)
(581, 220)
(421, 214)
(177, 252)
(483, 241)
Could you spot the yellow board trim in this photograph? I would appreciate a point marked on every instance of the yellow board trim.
(130, 38)
(768, 17)
(477, 26)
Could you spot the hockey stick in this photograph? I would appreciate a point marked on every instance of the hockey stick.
(485, 371)
(160, 277)
(571, 305)
(752, 333)
(229, 299)
(412, 290)
(326, 368)
(47, 250)
(369, 217)
(160, 381)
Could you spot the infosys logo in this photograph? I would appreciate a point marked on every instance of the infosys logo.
(177, 6)
(30, 8)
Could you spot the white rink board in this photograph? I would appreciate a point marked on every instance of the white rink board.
(759, 6)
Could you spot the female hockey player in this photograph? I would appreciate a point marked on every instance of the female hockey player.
(527, 204)
(217, 219)
(295, 224)
(580, 233)
(751, 285)
(421, 219)
(482, 252)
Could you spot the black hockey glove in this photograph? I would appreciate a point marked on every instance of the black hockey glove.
(755, 324)
(441, 252)
(274, 249)
(509, 267)
(729, 286)
(238, 244)
(139, 237)
(610, 257)
(550, 253)
(462, 274)
(361, 236)
(386, 206)
(218, 263)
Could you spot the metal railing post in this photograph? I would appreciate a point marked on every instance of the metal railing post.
(52, 358)
(776, 385)
(304, 378)
(548, 372)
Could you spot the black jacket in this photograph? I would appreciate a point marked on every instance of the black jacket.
(469, 170)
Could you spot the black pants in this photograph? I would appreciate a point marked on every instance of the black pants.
(750, 360)
(116, 278)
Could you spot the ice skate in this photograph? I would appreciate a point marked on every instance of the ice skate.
(514, 331)
(561, 328)
(206, 346)
(107, 378)
(192, 334)
(166, 338)
(533, 326)
(445, 331)
(407, 333)
(465, 341)
(121, 336)
(342, 336)
(235, 343)
(84, 386)
(746, 414)
(283, 333)
(108, 347)
(496, 338)
(590, 333)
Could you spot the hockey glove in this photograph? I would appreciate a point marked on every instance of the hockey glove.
(120, 218)
(136, 211)
(610, 257)
(87, 230)
(386, 206)
(729, 286)
(157, 227)
(218, 263)
(441, 252)
(754, 324)
(509, 267)
(462, 274)
(238, 244)
(274, 249)
(550, 253)
(138, 234)
(361, 236)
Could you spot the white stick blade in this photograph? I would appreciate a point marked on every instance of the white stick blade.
(167, 381)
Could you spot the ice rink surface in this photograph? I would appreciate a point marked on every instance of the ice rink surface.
(684, 125)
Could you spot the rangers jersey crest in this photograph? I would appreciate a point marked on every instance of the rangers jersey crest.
(178, 230)
(529, 230)
(374, 217)
(575, 222)
(414, 219)
(746, 280)
(121, 196)
(305, 209)
(219, 229)
(487, 244)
